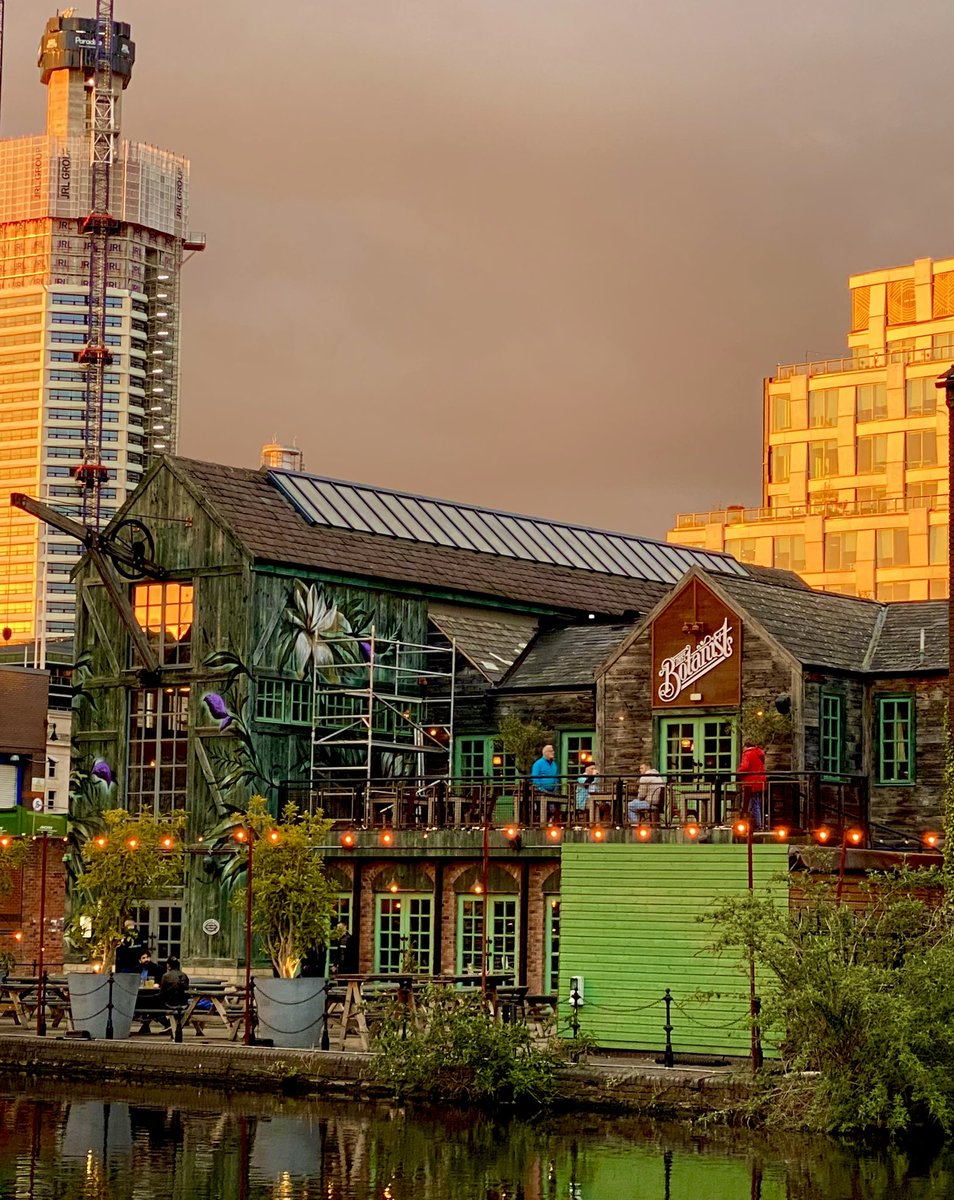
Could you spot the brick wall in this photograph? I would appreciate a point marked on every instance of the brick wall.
(20, 907)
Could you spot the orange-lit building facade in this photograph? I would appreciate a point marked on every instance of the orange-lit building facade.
(855, 490)
(44, 271)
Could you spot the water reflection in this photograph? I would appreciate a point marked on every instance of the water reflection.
(127, 1144)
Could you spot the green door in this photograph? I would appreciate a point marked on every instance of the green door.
(692, 751)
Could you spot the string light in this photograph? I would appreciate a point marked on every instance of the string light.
(643, 833)
(855, 836)
(387, 837)
(741, 828)
(781, 833)
(930, 839)
(348, 838)
(597, 833)
(274, 836)
(692, 831)
(823, 834)
(511, 832)
(553, 833)
(132, 843)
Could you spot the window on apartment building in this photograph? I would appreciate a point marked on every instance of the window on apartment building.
(901, 302)
(165, 611)
(892, 547)
(789, 553)
(937, 544)
(869, 499)
(780, 464)
(893, 591)
(823, 408)
(872, 453)
(943, 344)
(942, 299)
(920, 397)
(822, 459)
(922, 494)
(831, 731)
(938, 589)
(743, 549)
(871, 402)
(158, 749)
(780, 410)
(860, 308)
(894, 739)
(901, 350)
(404, 934)
(841, 551)
(920, 448)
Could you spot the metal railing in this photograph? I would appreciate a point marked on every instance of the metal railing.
(799, 801)
(864, 362)
(737, 515)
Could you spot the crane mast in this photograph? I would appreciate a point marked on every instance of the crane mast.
(98, 226)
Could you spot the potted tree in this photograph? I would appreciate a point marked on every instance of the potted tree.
(292, 901)
(134, 858)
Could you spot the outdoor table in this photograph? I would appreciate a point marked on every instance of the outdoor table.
(22, 995)
(223, 998)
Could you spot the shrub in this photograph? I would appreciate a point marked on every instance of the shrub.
(451, 1048)
(862, 1004)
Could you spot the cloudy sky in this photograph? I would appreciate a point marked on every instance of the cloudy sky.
(537, 254)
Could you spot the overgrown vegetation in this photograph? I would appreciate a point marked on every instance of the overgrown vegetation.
(135, 858)
(292, 896)
(862, 1002)
(450, 1048)
(524, 740)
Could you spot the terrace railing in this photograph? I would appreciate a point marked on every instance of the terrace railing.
(796, 800)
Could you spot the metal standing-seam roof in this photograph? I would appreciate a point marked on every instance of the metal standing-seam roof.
(364, 509)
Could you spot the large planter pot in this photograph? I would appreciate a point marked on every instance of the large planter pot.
(90, 998)
(291, 1012)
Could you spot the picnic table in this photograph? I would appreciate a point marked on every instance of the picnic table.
(225, 1007)
(20, 997)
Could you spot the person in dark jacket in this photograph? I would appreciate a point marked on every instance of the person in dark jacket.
(174, 985)
(751, 776)
(129, 950)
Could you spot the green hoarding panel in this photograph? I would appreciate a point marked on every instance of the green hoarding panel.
(630, 925)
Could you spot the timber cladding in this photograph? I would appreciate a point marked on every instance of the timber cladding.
(630, 925)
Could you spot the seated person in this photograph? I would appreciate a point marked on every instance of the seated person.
(649, 796)
(587, 785)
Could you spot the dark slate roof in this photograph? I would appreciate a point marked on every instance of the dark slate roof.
(490, 640)
(273, 530)
(359, 508)
(568, 657)
(817, 628)
(899, 645)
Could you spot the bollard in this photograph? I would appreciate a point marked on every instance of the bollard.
(109, 1010)
(668, 1057)
(325, 1039)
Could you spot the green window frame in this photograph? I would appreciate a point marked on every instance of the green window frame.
(480, 757)
(832, 733)
(404, 926)
(551, 950)
(577, 748)
(895, 742)
(283, 701)
(503, 944)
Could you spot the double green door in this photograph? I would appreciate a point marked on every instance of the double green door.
(693, 750)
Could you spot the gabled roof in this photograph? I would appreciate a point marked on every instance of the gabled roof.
(273, 529)
(491, 641)
(568, 657)
(827, 630)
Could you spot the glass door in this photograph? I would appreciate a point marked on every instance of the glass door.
(160, 928)
(693, 751)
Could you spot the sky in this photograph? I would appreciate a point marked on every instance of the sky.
(534, 255)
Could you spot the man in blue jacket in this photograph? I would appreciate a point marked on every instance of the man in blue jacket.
(545, 776)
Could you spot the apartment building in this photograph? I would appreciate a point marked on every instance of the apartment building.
(855, 489)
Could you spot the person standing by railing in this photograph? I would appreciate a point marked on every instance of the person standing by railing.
(751, 775)
(545, 777)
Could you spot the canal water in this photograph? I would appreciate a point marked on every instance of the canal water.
(111, 1143)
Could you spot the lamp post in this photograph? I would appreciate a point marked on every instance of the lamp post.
(247, 835)
(41, 969)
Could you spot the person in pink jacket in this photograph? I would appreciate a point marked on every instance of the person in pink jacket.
(751, 775)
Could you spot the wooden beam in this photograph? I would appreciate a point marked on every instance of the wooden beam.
(144, 651)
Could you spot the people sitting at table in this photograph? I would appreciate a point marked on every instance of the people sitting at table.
(129, 949)
(649, 797)
(174, 985)
(149, 972)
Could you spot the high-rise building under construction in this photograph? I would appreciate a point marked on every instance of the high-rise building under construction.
(45, 198)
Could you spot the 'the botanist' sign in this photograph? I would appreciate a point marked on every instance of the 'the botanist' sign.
(697, 651)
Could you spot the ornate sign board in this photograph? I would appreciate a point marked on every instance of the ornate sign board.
(697, 651)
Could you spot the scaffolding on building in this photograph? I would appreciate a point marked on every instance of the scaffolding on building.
(383, 709)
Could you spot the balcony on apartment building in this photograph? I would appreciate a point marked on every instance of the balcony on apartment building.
(737, 514)
(868, 361)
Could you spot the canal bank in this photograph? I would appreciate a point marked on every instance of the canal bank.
(635, 1085)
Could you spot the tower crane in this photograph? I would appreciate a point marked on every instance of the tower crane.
(95, 356)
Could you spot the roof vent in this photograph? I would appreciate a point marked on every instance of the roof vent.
(281, 458)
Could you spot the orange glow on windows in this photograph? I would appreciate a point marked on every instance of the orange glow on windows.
(165, 611)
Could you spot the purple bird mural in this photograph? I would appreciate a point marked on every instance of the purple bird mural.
(366, 650)
(102, 771)
(219, 709)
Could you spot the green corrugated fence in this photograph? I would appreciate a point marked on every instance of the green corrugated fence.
(629, 924)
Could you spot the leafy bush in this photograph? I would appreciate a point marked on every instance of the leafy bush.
(863, 1002)
(451, 1048)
